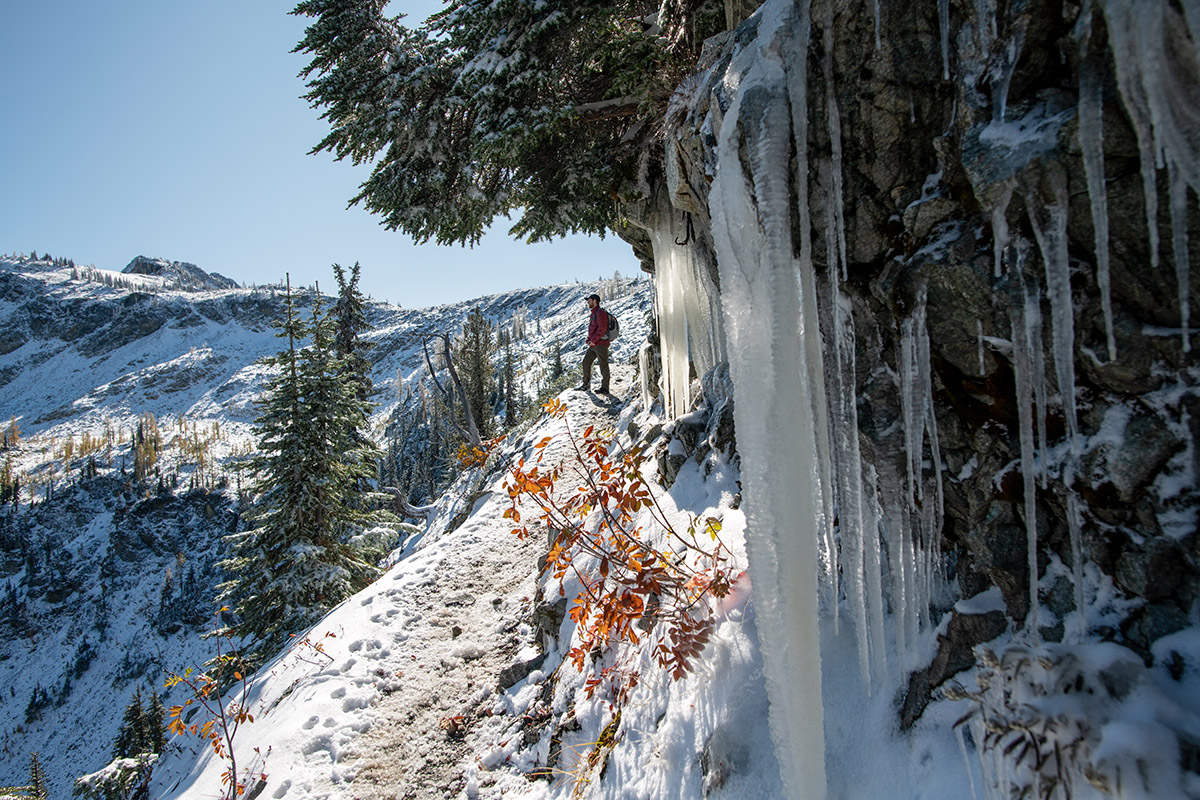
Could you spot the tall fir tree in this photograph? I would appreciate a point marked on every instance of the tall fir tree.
(141, 728)
(351, 320)
(555, 367)
(296, 561)
(511, 394)
(129, 738)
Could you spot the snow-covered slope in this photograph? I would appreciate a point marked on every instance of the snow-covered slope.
(448, 677)
(106, 588)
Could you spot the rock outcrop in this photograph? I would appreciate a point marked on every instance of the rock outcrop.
(979, 185)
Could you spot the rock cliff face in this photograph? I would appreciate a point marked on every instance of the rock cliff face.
(991, 209)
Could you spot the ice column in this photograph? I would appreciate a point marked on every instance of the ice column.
(672, 331)
(1023, 344)
(1049, 222)
(767, 323)
(687, 307)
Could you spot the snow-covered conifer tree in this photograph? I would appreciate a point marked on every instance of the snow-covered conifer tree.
(351, 319)
(539, 109)
(295, 563)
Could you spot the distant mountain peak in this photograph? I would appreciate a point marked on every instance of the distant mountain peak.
(186, 276)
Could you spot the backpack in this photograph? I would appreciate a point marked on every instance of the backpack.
(614, 328)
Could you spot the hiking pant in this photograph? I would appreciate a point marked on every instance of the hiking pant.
(597, 351)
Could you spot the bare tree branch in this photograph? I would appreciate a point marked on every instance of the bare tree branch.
(470, 432)
(416, 512)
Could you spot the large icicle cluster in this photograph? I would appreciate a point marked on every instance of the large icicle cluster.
(791, 339)
(1157, 55)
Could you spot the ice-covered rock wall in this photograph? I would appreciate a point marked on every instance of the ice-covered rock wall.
(956, 318)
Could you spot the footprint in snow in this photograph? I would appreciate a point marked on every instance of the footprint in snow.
(354, 703)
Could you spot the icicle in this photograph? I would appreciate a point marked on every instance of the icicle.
(912, 600)
(1155, 53)
(835, 144)
(1050, 229)
(1033, 317)
(894, 511)
(944, 25)
(1091, 140)
(686, 304)
(1023, 343)
(834, 232)
(979, 345)
(875, 10)
(848, 464)
(1075, 527)
(925, 373)
(1001, 81)
(672, 328)
(1000, 226)
(985, 23)
(912, 441)
(814, 353)
(772, 374)
(962, 749)
(1121, 22)
(644, 374)
(873, 570)
(1179, 241)
(829, 544)
(1191, 15)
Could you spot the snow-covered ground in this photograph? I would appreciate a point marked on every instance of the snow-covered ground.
(405, 701)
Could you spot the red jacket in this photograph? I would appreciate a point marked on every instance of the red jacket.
(598, 328)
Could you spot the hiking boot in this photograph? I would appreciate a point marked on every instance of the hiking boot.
(583, 388)
(603, 390)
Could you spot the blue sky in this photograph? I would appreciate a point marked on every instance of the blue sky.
(176, 130)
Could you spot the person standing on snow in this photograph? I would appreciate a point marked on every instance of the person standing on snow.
(597, 346)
